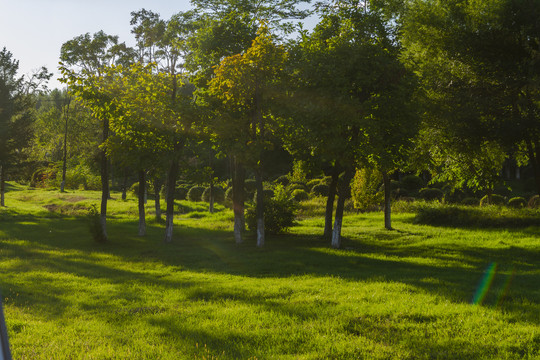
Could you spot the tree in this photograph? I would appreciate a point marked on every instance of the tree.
(17, 102)
(244, 83)
(480, 69)
(353, 96)
(61, 134)
(83, 60)
(164, 42)
(227, 28)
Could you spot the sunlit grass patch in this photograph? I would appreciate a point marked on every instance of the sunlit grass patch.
(418, 292)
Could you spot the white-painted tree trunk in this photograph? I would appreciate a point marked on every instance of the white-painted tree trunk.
(169, 228)
(238, 229)
(336, 233)
(260, 232)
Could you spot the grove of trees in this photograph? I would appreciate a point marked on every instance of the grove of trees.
(238, 90)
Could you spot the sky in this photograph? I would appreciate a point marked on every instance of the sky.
(34, 30)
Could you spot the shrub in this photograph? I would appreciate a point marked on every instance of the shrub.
(502, 190)
(320, 190)
(293, 187)
(282, 180)
(495, 200)
(394, 184)
(278, 215)
(470, 201)
(430, 194)
(453, 195)
(398, 193)
(250, 185)
(311, 183)
(268, 194)
(134, 189)
(228, 194)
(299, 195)
(364, 189)
(534, 202)
(412, 183)
(195, 193)
(326, 180)
(486, 217)
(298, 185)
(180, 192)
(219, 194)
(94, 224)
(517, 202)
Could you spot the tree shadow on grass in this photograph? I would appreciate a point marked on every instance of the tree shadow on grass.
(57, 246)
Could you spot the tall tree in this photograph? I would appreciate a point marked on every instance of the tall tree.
(226, 28)
(352, 94)
(480, 66)
(244, 82)
(83, 60)
(164, 42)
(17, 102)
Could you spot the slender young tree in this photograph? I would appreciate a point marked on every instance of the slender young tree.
(245, 82)
(17, 103)
(83, 60)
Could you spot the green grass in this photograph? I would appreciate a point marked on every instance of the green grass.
(402, 294)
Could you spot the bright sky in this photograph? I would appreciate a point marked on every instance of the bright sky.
(34, 30)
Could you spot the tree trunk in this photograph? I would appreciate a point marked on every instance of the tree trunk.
(387, 201)
(332, 190)
(211, 199)
(338, 223)
(2, 184)
(104, 184)
(124, 185)
(171, 186)
(64, 159)
(142, 192)
(260, 208)
(534, 160)
(157, 189)
(238, 180)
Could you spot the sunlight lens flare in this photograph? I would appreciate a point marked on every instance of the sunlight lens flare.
(485, 284)
(505, 287)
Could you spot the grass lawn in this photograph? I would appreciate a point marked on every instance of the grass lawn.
(418, 292)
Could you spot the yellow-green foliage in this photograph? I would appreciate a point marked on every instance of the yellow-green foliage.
(364, 189)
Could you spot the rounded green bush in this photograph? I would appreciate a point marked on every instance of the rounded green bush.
(412, 183)
(250, 185)
(311, 183)
(398, 193)
(534, 202)
(299, 195)
(430, 194)
(268, 194)
(292, 187)
(470, 201)
(495, 200)
(278, 216)
(219, 194)
(228, 194)
(320, 190)
(298, 185)
(180, 192)
(283, 180)
(517, 202)
(195, 193)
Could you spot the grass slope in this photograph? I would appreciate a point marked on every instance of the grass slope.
(403, 294)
